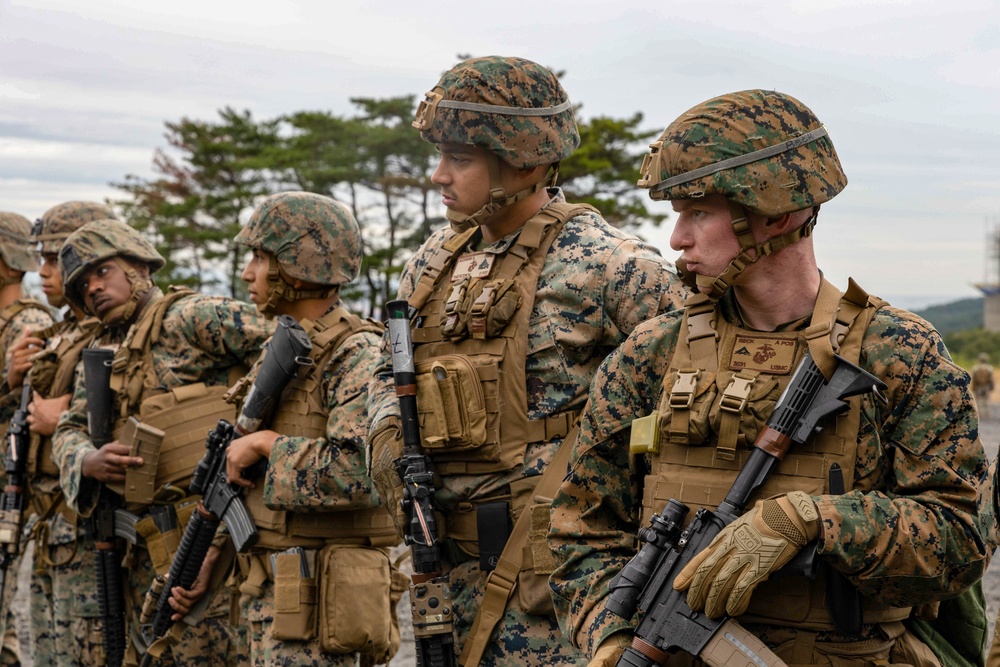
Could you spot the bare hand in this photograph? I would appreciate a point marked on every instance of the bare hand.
(108, 463)
(183, 600)
(244, 452)
(21, 352)
(44, 413)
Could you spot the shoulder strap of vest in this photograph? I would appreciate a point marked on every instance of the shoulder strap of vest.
(22, 304)
(502, 580)
(129, 367)
(439, 262)
(329, 331)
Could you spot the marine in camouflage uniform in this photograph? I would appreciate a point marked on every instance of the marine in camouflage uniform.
(316, 496)
(18, 314)
(524, 287)
(171, 351)
(64, 616)
(746, 173)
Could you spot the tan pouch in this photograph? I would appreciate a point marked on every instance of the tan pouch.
(355, 601)
(144, 441)
(451, 404)
(294, 599)
(533, 593)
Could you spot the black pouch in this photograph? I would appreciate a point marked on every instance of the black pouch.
(493, 528)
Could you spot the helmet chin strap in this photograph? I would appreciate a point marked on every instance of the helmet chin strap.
(278, 289)
(140, 288)
(750, 252)
(498, 196)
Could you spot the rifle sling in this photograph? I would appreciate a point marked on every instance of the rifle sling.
(501, 582)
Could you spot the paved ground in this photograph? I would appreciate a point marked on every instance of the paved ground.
(990, 433)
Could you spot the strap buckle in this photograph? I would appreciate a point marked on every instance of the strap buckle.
(734, 397)
(682, 393)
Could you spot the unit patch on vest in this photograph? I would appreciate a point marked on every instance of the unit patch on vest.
(474, 265)
(764, 354)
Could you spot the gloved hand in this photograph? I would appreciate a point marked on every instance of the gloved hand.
(610, 650)
(722, 577)
(384, 447)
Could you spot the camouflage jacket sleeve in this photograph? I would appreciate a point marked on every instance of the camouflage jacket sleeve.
(909, 532)
(329, 473)
(70, 444)
(988, 507)
(595, 515)
(32, 318)
(204, 336)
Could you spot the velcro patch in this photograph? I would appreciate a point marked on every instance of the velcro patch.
(473, 265)
(764, 354)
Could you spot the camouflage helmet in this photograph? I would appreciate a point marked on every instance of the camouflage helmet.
(15, 243)
(97, 241)
(57, 223)
(313, 237)
(761, 149)
(513, 107)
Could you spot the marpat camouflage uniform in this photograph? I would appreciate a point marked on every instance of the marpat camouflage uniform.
(24, 314)
(597, 284)
(317, 492)
(906, 531)
(202, 339)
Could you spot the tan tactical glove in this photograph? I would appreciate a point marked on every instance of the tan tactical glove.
(385, 446)
(610, 650)
(722, 578)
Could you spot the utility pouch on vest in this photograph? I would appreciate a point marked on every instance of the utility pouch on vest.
(144, 441)
(294, 596)
(355, 607)
(452, 405)
(161, 531)
(493, 528)
(533, 593)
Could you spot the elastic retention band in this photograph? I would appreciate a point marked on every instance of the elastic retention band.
(741, 160)
(505, 111)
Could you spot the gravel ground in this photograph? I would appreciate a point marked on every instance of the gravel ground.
(989, 430)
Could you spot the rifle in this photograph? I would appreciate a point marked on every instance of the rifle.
(16, 491)
(101, 525)
(430, 597)
(221, 500)
(646, 582)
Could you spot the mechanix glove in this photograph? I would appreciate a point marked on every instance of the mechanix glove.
(722, 578)
(385, 446)
(610, 650)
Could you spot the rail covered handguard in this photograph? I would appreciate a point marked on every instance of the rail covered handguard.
(645, 584)
(15, 492)
(101, 525)
(222, 500)
(430, 596)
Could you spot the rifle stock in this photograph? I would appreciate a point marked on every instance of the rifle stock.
(15, 492)
(221, 500)
(101, 525)
(430, 597)
(646, 582)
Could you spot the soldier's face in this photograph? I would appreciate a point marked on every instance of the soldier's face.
(255, 276)
(703, 233)
(51, 276)
(104, 288)
(463, 176)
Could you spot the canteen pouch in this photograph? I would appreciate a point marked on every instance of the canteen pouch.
(451, 404)
(355, 606)
(294, 597)
(533, 593)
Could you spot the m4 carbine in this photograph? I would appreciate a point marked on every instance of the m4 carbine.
(101, 525)
(221, 500)
(668, 624)
(15, 493)
(430, 598)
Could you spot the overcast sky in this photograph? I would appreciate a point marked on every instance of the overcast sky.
(909, 90)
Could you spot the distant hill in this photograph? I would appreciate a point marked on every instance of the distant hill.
(955, 316)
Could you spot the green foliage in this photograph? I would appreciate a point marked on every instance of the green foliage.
(192, 209)
(955, 316)
(966, 346)
(604, 169)
(213, 173)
